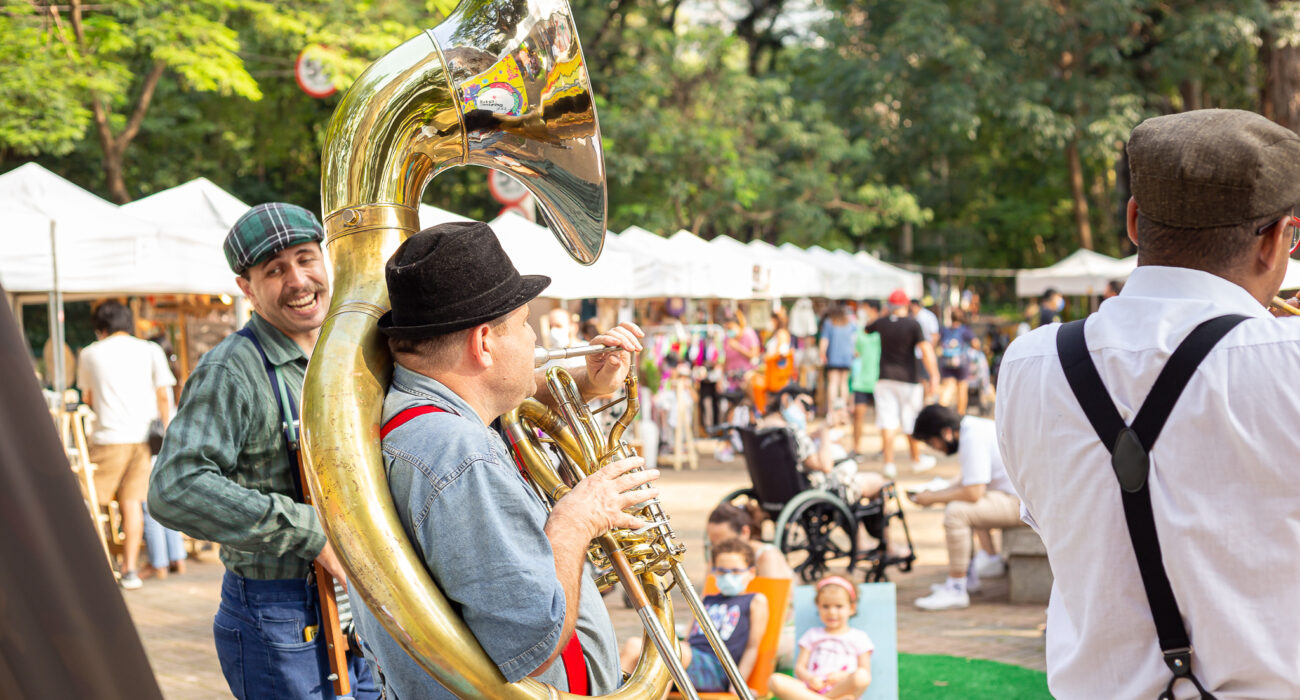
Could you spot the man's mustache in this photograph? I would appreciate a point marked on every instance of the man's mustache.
(288, 295)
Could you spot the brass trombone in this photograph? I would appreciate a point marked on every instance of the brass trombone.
(639, 559)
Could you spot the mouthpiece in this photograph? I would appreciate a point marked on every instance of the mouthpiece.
(541, 355)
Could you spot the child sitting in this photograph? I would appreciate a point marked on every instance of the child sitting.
(739, 617)
(835, 659)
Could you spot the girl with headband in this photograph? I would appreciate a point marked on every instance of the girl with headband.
(834, 659)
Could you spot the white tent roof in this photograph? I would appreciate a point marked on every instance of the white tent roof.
(1083, 272)
(842, 278)
(732, 274)
(885, 278)
(534, 251)
(432, 216)
(194, 219)
(101, 249)
(656, 270)
(666, 268)
(792, 275)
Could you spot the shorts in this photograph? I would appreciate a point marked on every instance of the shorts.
(961, 373)
(121, 472)
(897, 404)
(863, 398)
(706, 672)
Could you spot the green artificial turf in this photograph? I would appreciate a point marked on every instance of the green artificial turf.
(922, 676)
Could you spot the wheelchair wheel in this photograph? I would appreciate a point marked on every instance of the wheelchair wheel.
(816, 532)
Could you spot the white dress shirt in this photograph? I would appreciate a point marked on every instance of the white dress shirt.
(1224, 483)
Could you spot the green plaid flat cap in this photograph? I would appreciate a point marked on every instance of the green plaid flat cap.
(266, 230)
(1213, 167)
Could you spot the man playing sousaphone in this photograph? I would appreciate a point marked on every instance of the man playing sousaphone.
(463, 353)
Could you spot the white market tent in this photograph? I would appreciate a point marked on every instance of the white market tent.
(792, 276)
(664, 268)
(100, 249)
(432, 216)
(194, 218)
(1082, 273)
(534, 251)
(846, 279)
(731, 272)
(885, 278)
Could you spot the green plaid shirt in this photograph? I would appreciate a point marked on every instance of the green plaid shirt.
(224, 473)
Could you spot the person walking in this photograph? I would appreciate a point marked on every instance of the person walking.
(899, 394)
(126, 381)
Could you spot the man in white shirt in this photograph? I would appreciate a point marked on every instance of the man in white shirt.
(982, 499)
(1211, 214)
(125, 380)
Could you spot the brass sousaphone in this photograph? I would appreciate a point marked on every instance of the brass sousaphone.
(499, 84)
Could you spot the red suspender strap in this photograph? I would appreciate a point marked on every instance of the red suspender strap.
(401, 418)
(575, 666)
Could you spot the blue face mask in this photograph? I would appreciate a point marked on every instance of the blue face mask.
(795, 417)
(732, 584)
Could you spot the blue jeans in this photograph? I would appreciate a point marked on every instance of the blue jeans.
(165, 546)
(259, 632)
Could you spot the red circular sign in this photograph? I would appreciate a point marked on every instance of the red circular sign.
(311, 74)
(506, 189)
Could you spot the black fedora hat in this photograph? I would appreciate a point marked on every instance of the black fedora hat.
(451, 277)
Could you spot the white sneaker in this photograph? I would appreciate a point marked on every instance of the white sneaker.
(924, 464)
(890, 470)
(946, 598)
(988, 565)
(972, 586)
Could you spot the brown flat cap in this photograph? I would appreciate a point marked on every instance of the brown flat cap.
(1213, 167)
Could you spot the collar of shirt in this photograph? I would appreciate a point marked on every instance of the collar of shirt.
(1155, 281)
(280, 350)
(421, 389)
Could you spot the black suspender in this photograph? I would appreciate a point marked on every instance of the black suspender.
(288, 410)
(1129, 447)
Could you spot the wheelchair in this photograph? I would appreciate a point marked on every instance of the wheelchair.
(818, 527)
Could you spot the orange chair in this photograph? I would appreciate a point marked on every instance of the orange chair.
(777, 591)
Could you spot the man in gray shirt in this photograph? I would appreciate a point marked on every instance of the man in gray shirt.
(463, 348)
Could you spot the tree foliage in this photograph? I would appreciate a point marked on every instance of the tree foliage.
(985, 134)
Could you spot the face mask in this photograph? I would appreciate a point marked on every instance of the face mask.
(732, 333)
(952, 447)
(795, 417)
(1060, 305)
(732, 584)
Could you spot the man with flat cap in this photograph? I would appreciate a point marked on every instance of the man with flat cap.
(463, 350)
(1154, 446)
(226, 474)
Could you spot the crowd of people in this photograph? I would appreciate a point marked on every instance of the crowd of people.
(1144, 536)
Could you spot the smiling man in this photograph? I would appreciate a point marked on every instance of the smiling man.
(227, 474)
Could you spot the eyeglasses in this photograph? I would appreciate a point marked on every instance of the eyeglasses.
(722, 572)
(1291, 221)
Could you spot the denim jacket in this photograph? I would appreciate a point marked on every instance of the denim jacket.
(479, 528)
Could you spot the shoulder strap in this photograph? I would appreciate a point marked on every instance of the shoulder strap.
(1130, 447)
(288, 408)
(406, 415)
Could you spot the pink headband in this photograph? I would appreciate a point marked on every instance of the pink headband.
(842, 583)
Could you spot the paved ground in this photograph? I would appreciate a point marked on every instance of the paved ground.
(174, 616)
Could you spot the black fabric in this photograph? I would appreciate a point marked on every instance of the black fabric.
(451, 277)
(898, 338)
(1130, 448)
(66, 632)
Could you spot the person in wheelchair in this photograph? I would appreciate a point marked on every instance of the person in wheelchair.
(983, 498)
(821, 457)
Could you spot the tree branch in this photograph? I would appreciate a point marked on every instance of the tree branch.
(142, 104)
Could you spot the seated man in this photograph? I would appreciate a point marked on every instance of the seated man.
(984, 498)
(464, 355)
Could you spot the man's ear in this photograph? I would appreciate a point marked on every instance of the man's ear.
(480, 346)
(1268, 254)
(1131, 220)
